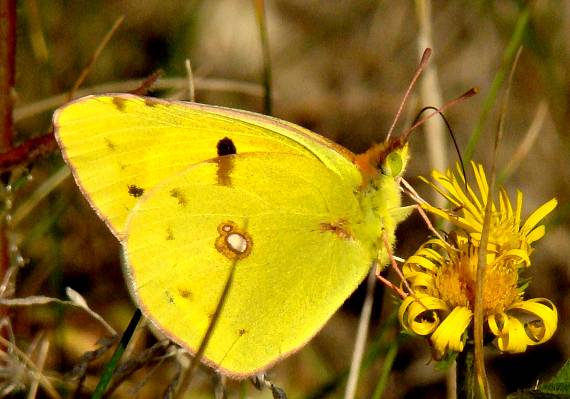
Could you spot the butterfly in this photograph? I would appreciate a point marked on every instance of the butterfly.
(193, 191)
(177, 182)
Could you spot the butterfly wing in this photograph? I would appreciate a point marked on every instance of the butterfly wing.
(298, 258)
(119, 146)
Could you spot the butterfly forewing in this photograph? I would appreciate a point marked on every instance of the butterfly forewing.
(119, 146)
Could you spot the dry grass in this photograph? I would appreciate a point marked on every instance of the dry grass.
(339, 70)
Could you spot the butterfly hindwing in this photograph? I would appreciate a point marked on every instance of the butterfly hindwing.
(297, 260)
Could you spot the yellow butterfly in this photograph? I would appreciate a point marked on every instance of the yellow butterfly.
(177, 183)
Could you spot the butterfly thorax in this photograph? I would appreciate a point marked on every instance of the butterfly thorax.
(380, 198)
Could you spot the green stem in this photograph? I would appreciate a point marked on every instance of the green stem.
(489, 102)
(465, 378)
(264, 38)
(114, 362)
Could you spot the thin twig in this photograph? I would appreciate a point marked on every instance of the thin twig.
(259, 6)
(478, 318)
(95, 56)
(224, 85)
(527, 142)
(196, 359)
(430, 91)
(509, 54)
(190, 78)
(27, 152)
(361, 334)
(45, 383)
(31, 201)
(42, 356)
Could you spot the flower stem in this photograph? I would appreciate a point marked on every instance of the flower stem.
(465, 361)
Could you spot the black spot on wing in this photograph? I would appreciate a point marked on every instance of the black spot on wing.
(226, 146)
(169, 297)
(119, 103)
(224, 170)
(169, 234)
(110, 145)
(179, 195)
(135, 191)
(151, 102)
(185, 293)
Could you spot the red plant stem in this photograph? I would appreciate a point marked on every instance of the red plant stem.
(27, 152)
(7, 80)
(7, 68)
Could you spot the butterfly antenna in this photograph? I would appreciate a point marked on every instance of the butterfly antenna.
(469, 93)
(450, 130)
(423, 62)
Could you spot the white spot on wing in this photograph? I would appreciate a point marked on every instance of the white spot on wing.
(237, 242)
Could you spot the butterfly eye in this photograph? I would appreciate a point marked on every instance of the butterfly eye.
(393, 164)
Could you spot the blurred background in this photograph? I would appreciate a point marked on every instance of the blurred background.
(340, 69)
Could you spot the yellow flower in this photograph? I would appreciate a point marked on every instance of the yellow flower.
(442, 274)
(443, 279)
(506, 233)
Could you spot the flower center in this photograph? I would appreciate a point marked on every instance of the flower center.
(455, 282)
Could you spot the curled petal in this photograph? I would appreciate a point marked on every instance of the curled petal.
(421, 261)
(498, 323)
(420, 314)
(540, 319)
(425, 260)
(531, 322)
(515, 339)
(449, 334)
(518, 255)
(420, 281)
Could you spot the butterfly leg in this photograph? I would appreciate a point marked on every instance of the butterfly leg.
(409, 190)
(261, 381)
(396, 269)
(383, 279)
(389, 284)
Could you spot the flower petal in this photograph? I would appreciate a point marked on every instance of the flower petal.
(481, 180)
(536, 234)
(518, 255)
(540, 319)
(498, 323)
(515, 340)
(449, 334)
(470, 224)
(420, 313)
(538, 215)
(518, 208)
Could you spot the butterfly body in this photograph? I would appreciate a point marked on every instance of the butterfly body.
(191, 189)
